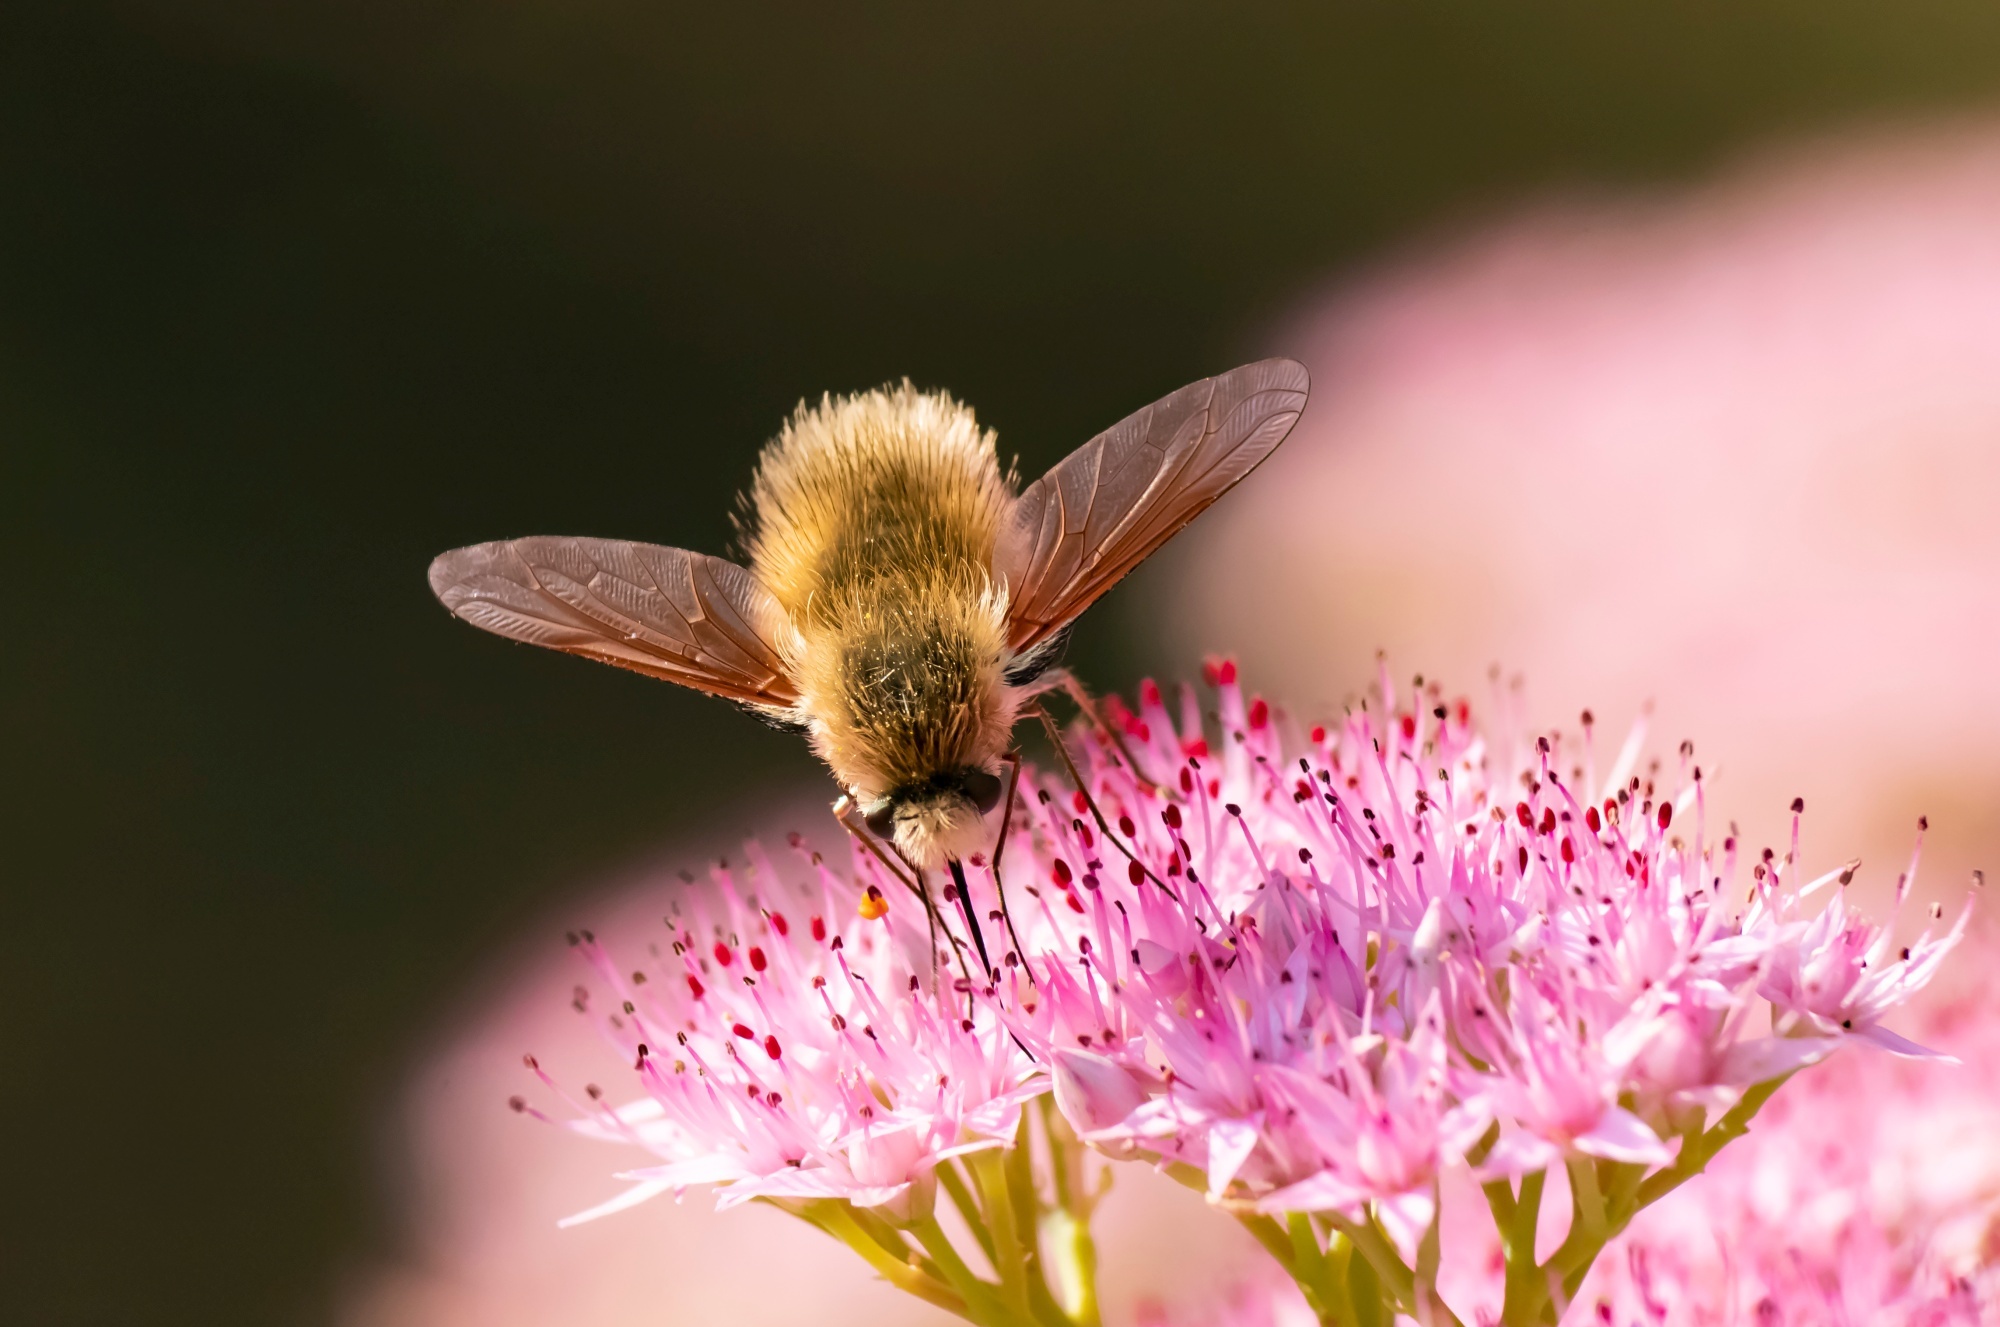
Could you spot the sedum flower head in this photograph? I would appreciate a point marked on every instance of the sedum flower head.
(1309, 970)
(790, 1045)
(1320, 966)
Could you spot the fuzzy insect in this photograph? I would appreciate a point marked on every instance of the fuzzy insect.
(902, 600)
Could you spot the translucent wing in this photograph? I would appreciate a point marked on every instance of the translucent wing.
(686, 617)
(1108, 505)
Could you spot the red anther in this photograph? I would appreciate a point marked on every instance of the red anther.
(1318, 734)
(1172, 816)
(1798, 806)
(1568, 851)
(1523, 861)
(819, 929)
(1195, 748)
(1079, 801)
(1548, 820)
(1463, 712)
(1215, 787)
(1226, 673)
(1145, 732)
(1075, 903)
(1149, 692)
(779, 924)
(1260, 713)
(757, 961)
(695, 987)
(1592, 819)
(743, 1032)
(1136, 872)
(1089, 839)
(1524, 815)
(1409, 726)
(722, 954)
(1059, 872)
(772, 1049)
(1666, 814)
(1187, 781)
(1211, 671)
(1126, 827)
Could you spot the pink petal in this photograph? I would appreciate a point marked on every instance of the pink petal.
(632, 1197)
(1896, 1044)
(1622, 1136)
(1230, 1143)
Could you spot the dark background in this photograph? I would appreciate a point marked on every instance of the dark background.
(293, 297)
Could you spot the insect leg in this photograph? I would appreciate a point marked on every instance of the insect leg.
(1062, 679)
(971, 917)
(1103, 826)
(1013, 759)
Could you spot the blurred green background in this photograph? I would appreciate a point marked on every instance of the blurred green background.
(293, 297)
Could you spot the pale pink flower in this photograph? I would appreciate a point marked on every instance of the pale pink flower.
(791, 1046)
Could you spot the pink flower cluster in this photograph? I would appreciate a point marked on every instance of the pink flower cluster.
(1312, 969)
(790, 1046)
(1869, 1192)
(1323, 966)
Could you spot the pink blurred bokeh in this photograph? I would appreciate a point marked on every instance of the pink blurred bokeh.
(1735, 451)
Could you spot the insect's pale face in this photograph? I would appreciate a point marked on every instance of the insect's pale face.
(939, 820)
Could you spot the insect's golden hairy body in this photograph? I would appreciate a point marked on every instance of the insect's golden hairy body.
(903, 600)
(875, 518)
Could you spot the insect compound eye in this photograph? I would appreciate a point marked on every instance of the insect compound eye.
(882, 820)
(983, 789)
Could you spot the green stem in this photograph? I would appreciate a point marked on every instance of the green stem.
(836, 1218)
(961, 1198)
(1697, 1152)
(1009, 1257)
(1526, 1290)
(1430, 1307)
(1587, 1199)
(981, 1304)
(1065, 1230)
(1322, 1276)
(1381, 1256)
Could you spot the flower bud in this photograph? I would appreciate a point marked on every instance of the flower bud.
(1092, 1092)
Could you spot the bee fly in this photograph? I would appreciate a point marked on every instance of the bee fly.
(902, 600)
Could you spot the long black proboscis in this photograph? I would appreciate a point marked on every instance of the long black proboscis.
(971, 919)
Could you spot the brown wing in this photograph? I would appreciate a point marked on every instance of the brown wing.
(686, 617)
(1108, 505)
